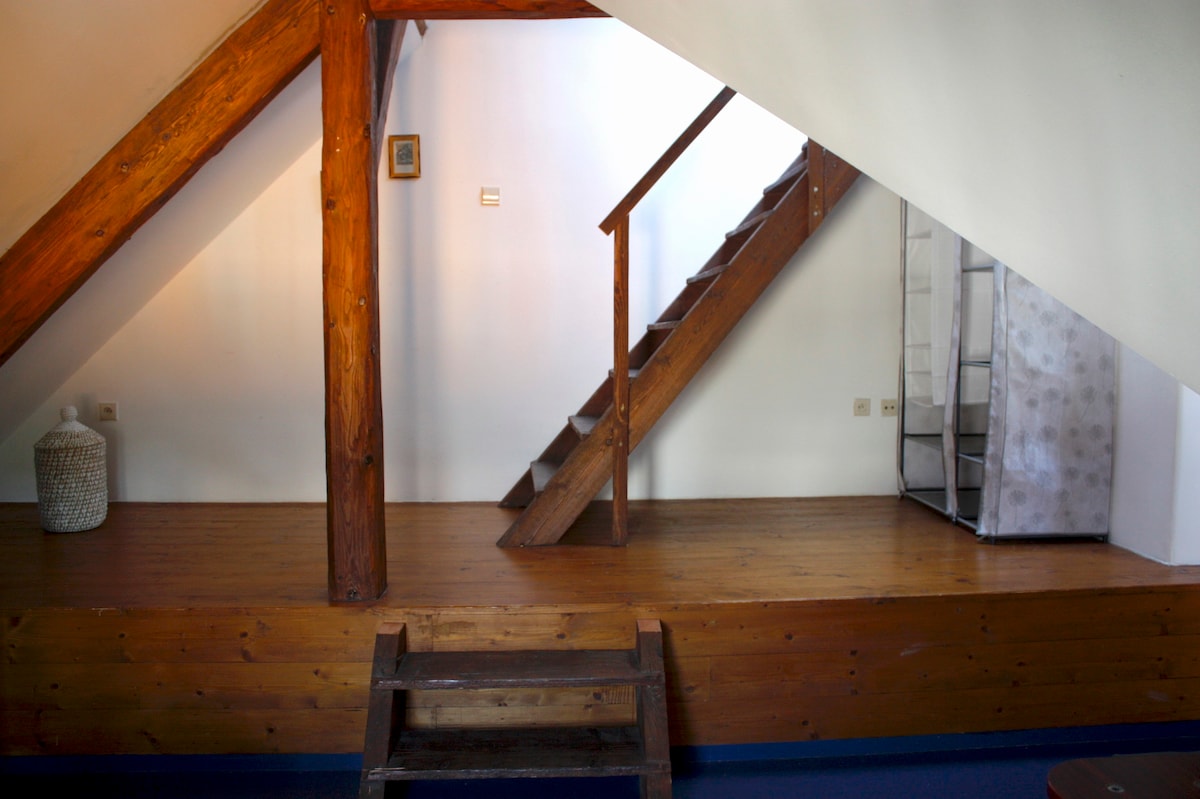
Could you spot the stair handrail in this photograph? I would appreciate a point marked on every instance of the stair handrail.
(660, 167)
(618, 222)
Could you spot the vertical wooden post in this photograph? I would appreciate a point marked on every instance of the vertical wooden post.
(353, 400)
(620, 383)
(385, 708)
(652, 710)
(817, 202)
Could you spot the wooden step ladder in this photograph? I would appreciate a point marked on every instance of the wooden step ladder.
(395, 752)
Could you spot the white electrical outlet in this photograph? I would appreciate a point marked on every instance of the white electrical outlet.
(862, 407)
(106, 411)
(887, 407)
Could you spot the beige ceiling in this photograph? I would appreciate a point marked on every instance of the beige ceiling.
(76, 75)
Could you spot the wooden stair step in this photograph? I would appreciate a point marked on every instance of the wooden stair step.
(749, 224)
(670, 325)
(583, 425)
(503, 753)
(708, 274)
(787, 178)
(541, 471)
(573, 668)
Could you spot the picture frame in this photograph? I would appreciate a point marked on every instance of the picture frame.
(404, 156)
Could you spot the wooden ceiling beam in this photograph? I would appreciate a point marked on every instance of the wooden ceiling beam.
(389, 39)
(484, 9)
(151, 163)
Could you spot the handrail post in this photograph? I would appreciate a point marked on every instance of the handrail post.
(617, 225)
(620, 383)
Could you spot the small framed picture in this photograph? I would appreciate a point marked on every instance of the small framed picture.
(404, 156)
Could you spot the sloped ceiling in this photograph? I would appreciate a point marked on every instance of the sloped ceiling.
(1060, 137)
(75, 75)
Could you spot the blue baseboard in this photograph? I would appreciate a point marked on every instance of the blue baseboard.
(1131, 737)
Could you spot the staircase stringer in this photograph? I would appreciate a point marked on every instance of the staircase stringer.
(664, 376)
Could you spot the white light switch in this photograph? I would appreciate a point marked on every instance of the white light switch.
(489, 195)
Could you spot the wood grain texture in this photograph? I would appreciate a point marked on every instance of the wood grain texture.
(152, 162)
(353, 395)
(783, 620)
(484, 9)
(619, 437)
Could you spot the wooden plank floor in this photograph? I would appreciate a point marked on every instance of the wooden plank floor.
(207, 628)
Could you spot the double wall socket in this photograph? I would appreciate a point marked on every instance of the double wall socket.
(862, 407)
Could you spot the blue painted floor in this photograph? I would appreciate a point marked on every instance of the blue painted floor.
(1007, 779)
(1003, 766)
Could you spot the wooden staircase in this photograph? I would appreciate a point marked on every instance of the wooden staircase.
(580, 460)
(394, 752)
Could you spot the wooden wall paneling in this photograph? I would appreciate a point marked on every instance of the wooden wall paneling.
(150, 163)
(188, 636)
(353, 397)
(293, 678)
(198, 686)
(549, 708)
(978, 665)
(185, 731)
(510, 628)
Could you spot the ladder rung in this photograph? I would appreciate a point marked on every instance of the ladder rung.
(568, 668)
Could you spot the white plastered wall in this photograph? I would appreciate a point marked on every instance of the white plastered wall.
(1155, 507)
(495, 321)
(1058, 136)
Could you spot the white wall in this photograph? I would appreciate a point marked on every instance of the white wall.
(495, 321)
(1156, 465)
(1059, 136)
(1186, 534)
(1144, 455)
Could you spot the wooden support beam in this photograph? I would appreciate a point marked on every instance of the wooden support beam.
(389, 35)
(817, 201)
(353, 399)
(152, 162)
(484, 9)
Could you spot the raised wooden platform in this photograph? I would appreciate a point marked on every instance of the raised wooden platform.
(206, 628)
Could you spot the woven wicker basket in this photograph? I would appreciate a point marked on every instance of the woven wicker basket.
(72, 476)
